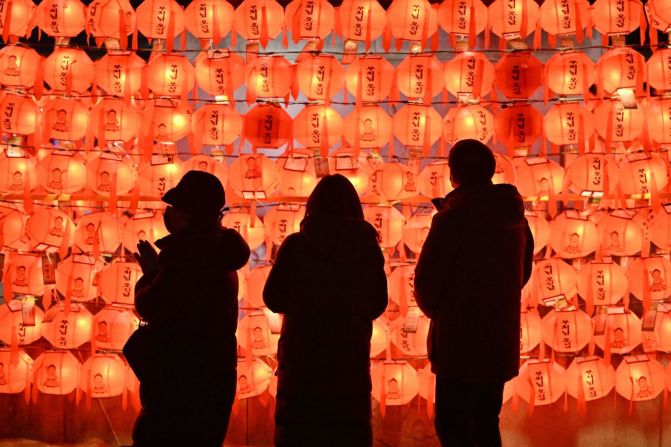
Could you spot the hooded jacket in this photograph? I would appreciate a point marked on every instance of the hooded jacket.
(468, 281)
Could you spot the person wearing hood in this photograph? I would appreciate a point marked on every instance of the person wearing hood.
(329, 282)
(185, 352)
(468, 281)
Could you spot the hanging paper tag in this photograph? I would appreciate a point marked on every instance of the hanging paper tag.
(411, 322)
(649, 320)
(349, 53)
(49, 263)
(112, 44)
(627, 97)
(321, 164)
(28, 310)
(600, 322)
(461, 43)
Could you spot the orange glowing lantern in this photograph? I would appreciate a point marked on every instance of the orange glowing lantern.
(297, 173)
(504, 171)
(412, 20)
(253, 378)
(387, 221)
(110, 20)
(417, 126)
(660, 230)
(357, 169)
(103, 375)
(67, 330)
(209, 20)
(61, 18)
(621, 234)
(518, 126)
(369, 78)
(593, 175)
(620, 68)
(256, 281)
(567, 330)
(312, 20)
(519, 75)
(268, 77)
(374, 127)
(319, 76)
(116, 282)
(170, 119)
(13, 225)
(642, 174)
(16, 369)
(541, 382)
(160, 19)
(469, 74)
(420, 77)
(393, 182)
(255, 335)
(553, 280)
(394, 383)
(219, 72)
(170, 75)
(410, 337)
(462, 18)
(114, 120)
(74, 278)
(573, 235)
(253, 176)
(17, 174)
(540, 229)
(602, 283)
(68, 69)
(401, 286)
(564, 18)
(658, 115)
(530, 330)
(267, 126)
(416, 230)
(617, 17)
(145, 226)
(639, 378)
(258, 20)
(283, 220)
(56, 372)
(112, 327)
(589, 378)
(50, 230)
(156, 179)
(361, 20)
(119, 74)
(20, 114)
(658, 70)
(468, 122)
(615, 123)
(538, 176)
(620, 330)
(565, 122)
(659, 15)
(109, 174)
(65, 119)
(14, 329)
(98, 232)
(570, 73)
(513, 20)
(24, 273)
(318, 126)
(206, 163)
(649, 278)
(251, 229)
(16, 19)
(19, 66)
(434, 180)
(379, 340)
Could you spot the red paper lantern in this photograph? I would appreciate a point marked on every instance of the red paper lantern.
(319, 76)
(114, 120)
(379, 340)
(455, 17)
(258, 20)
(573, 235)
(107, 174)
(593, 175)
(617, 17)
(312, 20)
(530, 330)
(112, 327)
(251, 229)
(24, 273)
(564, 17)
(74, 278)
(567, 330)
(369, 78)
(412, 20)
(660, 229)
(61, 18)
(267, 126)
(420, 77)
(427, 384)
(361, 20)
(65, 119)
(387, 221)
(642, 174)
(50, 230)
(160, 19)
(206, 163)
(468, 122)
(283, 220)
(98, 231)
(170, 119)
(552, 280)
(540, 229)
(662, 333)
(613, 122)
(255, 336)
(67, 330)
(17, 174)
(417, 126)
(355, 166)
(156, 179)
(504, 171)
(394, 382)
(12, 329)
(297, 173)
(602, 283)
(621, 233)
(20, 114)
(374, 127)
(570, 73)
(56, 372)
(253, 378)
(253, 176)
(393, 182)
(13, 225)
(518, 126)
(469, 74)
(318, 126)
(113, 71)
(519, 75)
(116, 284)
(21, 23)
(256, 281)
(417, 229)
(19, 66)
(639, 378)
(170, 75)
(659, 15)
(110, 19)
(220, 72)
(649, 278)
(658, 115)
(658, 70)
(620, 68)
(410, 337)
(216, 125)
(434, 180)
(16, 369)
(268, 77)
(401, 286)
(622, 330)
(209, 19)
(103, 375)
(541, 382)
(68, 69)
(589, 378)
(565, 122)
(513, 19)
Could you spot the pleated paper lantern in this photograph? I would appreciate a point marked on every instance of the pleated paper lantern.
(56, 372)
(65, 119)
(251, 229)
(511, 20)
(258, 20)
(219, 72)
(160, 19)
(114, 120)
(50, 230)
(617, 17)
(20, 114)
(658, 15)
(565, 17)
(268, 77)
(620, 68)
(573, 235)
(17, 174)
(416, 230)
(74, 278)
(570, 73)
(309, 20)
(19, 66)
(61, 18)
(401, 286)
(361, 20)
(255, 336)
(356, 167)
(25, 273)
(454, 17)
(283, 220)
(119, 74)
(589, 378)
(21, 23)
(642, 174)
(209, 19)
(297, 173)
(256, 281)
(418, 126)
(602, 283)
(541, 382)
(110, 20)
(593, 175)
(564, 123)
(61, 173)
(267, 126)
(621, 233)
(660, 229)
(650, 277)
(253, 378)
(206, 163)
(420, 77)
(68, 69)
(410, 337)
(108, 173)
(567, 330)
(658, 115)
(374, 127)
(103, 375)
(319, 76)
(170, 120)
(621, 330)
(393, 182)
(412, 20)
(13, 225)
(639, 378)
(530, 330)
(518, 126)
(318, 126)
(658, 70)
(253, 176)
(434, 180)
(394, 383)
(519, 75)
(99, 231)
(379, 339)
(13, 329)
(216, 125)
(112, 327)
(504, 171)
(468, 122)
(67, 330)
(540, 229)
(116, 282)
(170, 75)
(613, 122)
(538, 177)
(156, 179)
(387, 221)
(469, 74)
(553, 279)
(16, 370)
(369, 78)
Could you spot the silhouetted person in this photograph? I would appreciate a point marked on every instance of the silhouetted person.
(188, 298)
(473, 265)
(329, 282)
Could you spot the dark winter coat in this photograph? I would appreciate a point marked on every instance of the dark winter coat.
(329, 282)
(468, 280)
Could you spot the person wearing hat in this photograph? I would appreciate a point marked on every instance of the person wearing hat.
(185, 352)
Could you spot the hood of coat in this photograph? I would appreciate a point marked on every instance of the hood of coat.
(487, 204)
(336, 238)
(199, 246)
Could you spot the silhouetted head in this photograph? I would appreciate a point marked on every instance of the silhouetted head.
(334, 195)
(471, 163)
(198, 198)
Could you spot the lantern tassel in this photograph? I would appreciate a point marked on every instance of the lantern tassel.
(264, 26)
(8, 21)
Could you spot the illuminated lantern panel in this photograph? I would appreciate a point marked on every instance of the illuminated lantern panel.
(410, 336)
(220, 72)
(318, 126)
(434, 180)
(68, 69)
(518, 126)
(564, 123)
(658, 114)
(158, 18)
(540, 229)
(511, 20)
(642, 174)
(504, 172)
(639, 378)
(621, 234)
(258, 20)
(56, 372)
(362, 20)
(416, 230)
(23, 274)
(209, 19)
(250, 227)
(119, 74)
(563, 18)
(103, 375)
(369, 78)
(380, 338)
(538, 177)
(268, 77)
(20, 114)
(519, 75)
(394, 383)
(98, 232)
(589, 378)
(420, 77)
(401, 286)
(620, 68)
(215, 125)
(469, 122)
(357, 169)
(649, 277)
(113, 120)
(373, 124)
(469, 74)
(16, 370)
(414, 21)
(417, 126)
(156, 179)
(253, 378)
(662, 331)
(61, 18)
(621, 330)
(74, 278)
(50, 230)
(61, 173)
(387, 221)
(283, 220)
(602, 283)
(253, 177)
(593, 175)
(567, 330)
(530, 330)
(541, 383)
(319, 76)
(393, 181)
(573, 235)
(553, 280)
(613, 122)
(309, 21)
(17, 174)
(13, 224)
(65, 119)
(13, 328)
(469, 20)
(267, 126)
(110, 20)
(657, 70)
(67, 330)
(660, 229)
(112, 327)
(256, 336)
(570, 73)
(19, 66)
(116, 282)
(298, 176)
